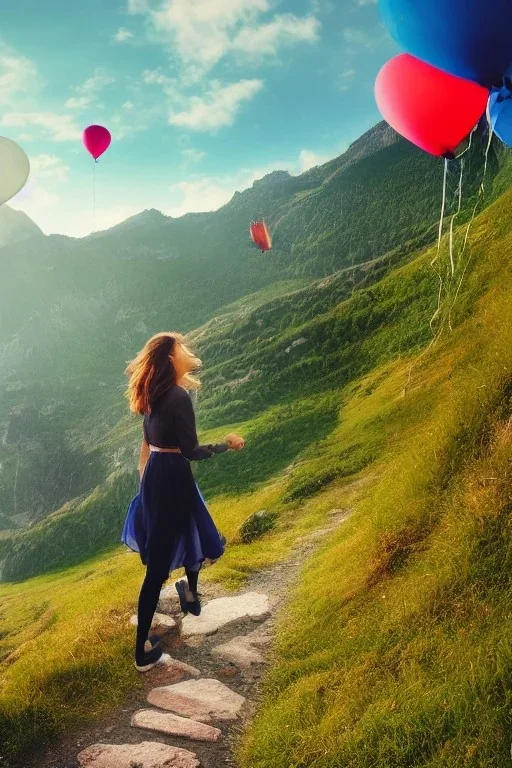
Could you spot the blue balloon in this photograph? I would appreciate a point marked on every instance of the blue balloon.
(500, 109)
(468, 38)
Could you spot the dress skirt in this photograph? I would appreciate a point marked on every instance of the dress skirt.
(168, 522)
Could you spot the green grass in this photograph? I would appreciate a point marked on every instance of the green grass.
(395, 648)
(404, 658)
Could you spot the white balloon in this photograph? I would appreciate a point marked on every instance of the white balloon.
(14, 169)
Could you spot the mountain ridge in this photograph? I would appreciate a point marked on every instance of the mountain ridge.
(16, 226)
(73, 312)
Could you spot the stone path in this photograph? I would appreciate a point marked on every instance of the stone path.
(189, 709)
(202, 699)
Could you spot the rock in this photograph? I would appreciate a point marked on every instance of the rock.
(179, 668)
(223, 611)
(228, 672)
(195, 641)
(202, 700)
(147, 754)
(168, 602)
(257, 525)
(239, 651)
(160, 621)
(173, 725)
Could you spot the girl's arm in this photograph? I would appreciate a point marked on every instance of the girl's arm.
(143, 457)
(185, 422)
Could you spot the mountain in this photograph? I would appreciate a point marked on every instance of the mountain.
(73, 312)
(149, 217)
(16, 226)
(374, 391)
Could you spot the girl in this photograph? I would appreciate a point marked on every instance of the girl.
(168, 522)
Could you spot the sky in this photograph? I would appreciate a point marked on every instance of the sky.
(201, 97)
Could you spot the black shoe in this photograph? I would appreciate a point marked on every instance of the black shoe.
(151, 659)
(195, 607)
(182, 594)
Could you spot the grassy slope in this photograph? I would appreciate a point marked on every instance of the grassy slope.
(72, 312)
(402, 658)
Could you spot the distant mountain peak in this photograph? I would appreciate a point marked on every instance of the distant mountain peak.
(272, 178)
(149, 214)
(16, 226)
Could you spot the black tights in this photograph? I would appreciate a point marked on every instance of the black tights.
(148, 600)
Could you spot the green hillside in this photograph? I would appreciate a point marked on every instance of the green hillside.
(395, 649)
(310, 338)
(72, 312)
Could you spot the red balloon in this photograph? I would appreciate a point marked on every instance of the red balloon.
(260, 235)
(96, 140)
(431, 108)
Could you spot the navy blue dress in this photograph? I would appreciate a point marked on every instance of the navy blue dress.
(168, 522)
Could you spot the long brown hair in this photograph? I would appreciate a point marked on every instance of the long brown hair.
(151, 373)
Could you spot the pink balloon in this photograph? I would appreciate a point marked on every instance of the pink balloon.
(434, 110)
(96, 140)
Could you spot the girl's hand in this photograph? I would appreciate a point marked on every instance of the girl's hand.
(235, 442)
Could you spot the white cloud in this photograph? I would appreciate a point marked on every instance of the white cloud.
(193, 155)
(129, 105)
(200, 33)
(56, 127)
(169, 85)
(361, 3)
(49, 167)
(217, 108)
(122, 35)
(89, 90)
(77, 102)
(18, 76)
(266, 39)
(309, 159)
(199, 30)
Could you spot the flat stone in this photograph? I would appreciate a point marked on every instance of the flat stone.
(204, 700)
(176, 667)
(168, 601)
(160, 621)
(239, 651)
(147, 754)
(174, 725)
(195, 641)
(224, 610)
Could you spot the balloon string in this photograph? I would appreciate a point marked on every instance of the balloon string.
(466, 237)
(473, 215)
(452, 221)
(436, 257)
(443, 208)
(489, 142)
(94, 196)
